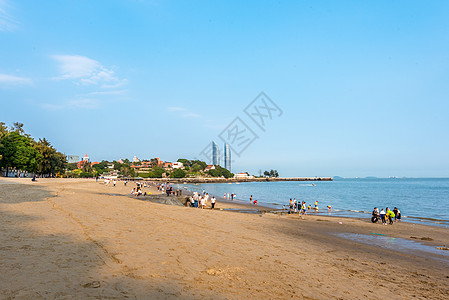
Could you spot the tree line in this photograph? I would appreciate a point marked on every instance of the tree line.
(20, 152)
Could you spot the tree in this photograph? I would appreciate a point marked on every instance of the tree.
(86, 167)
(220, 171)
(202, 164)
(178, 173)
(185, 162)
(17, 152)
(158, 171)
(272, 173)
(196, 167)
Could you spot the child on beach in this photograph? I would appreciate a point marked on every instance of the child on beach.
(212, 202)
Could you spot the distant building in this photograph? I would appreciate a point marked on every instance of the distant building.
(209, 167)
(120, 161)
(215, 154)
(73, 159)
(168, 165)
(243, 176)
(84, 160)
(177, 165)
(135, 159)
(227, 157)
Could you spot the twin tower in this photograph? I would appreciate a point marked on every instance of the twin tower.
(216, 155)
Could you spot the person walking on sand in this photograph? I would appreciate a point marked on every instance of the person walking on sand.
(114, 182)
(212, 202)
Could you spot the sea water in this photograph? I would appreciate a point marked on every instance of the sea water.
(419, 199)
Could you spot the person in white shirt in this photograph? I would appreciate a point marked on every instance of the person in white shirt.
(203, 203)
(212, 201)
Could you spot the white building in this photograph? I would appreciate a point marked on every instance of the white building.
(243, 176)
(135, 159)
(177, 165)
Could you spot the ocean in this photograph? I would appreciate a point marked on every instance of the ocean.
(423, 200)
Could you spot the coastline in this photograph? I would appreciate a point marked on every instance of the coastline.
(342, 207)
(67, 237)
(233, 180)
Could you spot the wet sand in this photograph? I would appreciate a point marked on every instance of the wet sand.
(65, 238)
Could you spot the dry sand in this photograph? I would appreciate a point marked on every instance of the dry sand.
(81, 239)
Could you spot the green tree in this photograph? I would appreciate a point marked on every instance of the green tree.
(86, 167)
(158, 171)
(178, 173)
(72, 166)
(185, 162)
(18, 152)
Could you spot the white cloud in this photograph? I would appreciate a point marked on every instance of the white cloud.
(183, 112)
(86, 71)
(117, 92)
(81, 103)
(7, 22)
(6, 79)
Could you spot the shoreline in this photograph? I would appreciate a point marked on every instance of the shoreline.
(348, 213)
(230, 180)
(63, 238)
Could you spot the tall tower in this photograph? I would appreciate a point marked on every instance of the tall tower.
(227, 157)
(215, 154)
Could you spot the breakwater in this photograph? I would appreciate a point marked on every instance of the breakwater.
(232, 180)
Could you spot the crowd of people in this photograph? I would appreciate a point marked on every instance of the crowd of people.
(386, 215)
(202, 200)
(301, 207)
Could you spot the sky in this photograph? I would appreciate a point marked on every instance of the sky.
(350, 88)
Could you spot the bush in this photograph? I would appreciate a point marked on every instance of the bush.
(178, 173)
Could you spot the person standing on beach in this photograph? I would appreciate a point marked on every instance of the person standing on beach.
(203, 202)
(212, 202)
(251, 199)
(316, 205)
(114, 182)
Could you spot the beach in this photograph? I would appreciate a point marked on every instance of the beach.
(82, 239)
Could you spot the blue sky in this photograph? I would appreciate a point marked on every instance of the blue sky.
(363, 85)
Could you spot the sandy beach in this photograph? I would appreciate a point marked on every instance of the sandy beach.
(81, 239)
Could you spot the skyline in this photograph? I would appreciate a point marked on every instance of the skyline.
(362, 86)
